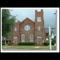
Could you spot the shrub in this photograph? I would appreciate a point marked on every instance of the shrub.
(27, 44)
(46, 43)
(3, 44)
(9, 43)
(53, 41)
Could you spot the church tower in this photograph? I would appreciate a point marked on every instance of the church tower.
(39, 28)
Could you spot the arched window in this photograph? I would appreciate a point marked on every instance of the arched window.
(38, 19)
(22, 38)
(15, 38)
(15, 29)
(31, 37)
(39, 28)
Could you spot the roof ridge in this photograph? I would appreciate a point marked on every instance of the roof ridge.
(27, 18)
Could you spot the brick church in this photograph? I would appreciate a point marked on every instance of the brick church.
(29, 31)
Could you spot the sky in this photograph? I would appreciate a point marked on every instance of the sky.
(49, 16)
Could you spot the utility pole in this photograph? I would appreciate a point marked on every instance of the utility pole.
(50, 43)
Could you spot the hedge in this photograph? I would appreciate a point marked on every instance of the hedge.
(31, 44)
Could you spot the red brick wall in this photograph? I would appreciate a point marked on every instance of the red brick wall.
(27, 33)
(42, 32)
(33, 29)
(16, 33)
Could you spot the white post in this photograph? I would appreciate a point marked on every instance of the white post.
(50, 43)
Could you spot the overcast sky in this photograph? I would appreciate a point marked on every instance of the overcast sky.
(49, 17)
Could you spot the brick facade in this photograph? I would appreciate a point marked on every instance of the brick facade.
(33, 29)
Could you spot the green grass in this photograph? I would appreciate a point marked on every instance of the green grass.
(28, 47)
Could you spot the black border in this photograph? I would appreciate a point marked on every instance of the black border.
(0, 26)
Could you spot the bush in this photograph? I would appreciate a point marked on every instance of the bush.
(53, 41)
(9, 43)
(46, 43)
(3, 44)
(27, 44)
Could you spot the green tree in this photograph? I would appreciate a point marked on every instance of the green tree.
(7, 22)
(53, 40)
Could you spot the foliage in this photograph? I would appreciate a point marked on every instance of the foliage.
(46, 43)
(7, 42)
(53, 41)
(7, 22)
(27, 44)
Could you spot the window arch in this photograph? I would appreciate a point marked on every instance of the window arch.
(15, 38)
(38, 19)
(31, 37)
(39, 28)
(22, 38)
(15, 29)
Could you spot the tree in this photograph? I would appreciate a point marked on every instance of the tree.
(7, 22)
(53, 40)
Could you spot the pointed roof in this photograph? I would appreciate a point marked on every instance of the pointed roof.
(27, 19)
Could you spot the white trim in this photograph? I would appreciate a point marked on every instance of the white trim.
(39, 19)
(39, 37)
(23, 38)
(27, 28)
(15, 29)
(15, 39)
(31, 38)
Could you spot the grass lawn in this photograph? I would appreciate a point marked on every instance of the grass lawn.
(28, 47)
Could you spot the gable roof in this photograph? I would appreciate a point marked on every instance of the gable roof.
(28, 19)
